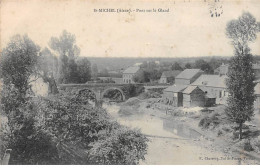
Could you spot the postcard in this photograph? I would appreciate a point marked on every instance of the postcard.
(130, 82)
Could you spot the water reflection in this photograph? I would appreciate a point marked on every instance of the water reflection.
(180, 129)
(152, 125)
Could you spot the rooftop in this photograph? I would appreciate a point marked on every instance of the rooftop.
(211, 81)
(132, 69)
(189, 89)
(168, 74)
(189, 73)
(175, 88)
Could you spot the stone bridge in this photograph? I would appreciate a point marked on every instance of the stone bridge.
(100, 89)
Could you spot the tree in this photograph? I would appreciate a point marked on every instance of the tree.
(104, 72)
(94, 71)
(203, 65)
(18, 64)
(68, 51)
(242, 31)
(73, 74)
(30, 144)
(176, 66)
(47, 69)
(141, 77)
(240, 74)
(84, 70)
(188, 66)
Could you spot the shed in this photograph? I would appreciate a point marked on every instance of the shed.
(173, 95)
(193, 96)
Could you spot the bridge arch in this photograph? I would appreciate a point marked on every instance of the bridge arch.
(113, 88)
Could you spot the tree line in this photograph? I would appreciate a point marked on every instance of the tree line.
(152, 71)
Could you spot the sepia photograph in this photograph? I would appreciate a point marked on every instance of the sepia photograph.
(129, 82)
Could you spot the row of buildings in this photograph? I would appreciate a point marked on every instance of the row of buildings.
(194, 88)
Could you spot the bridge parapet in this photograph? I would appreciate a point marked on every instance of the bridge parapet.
(99, 89)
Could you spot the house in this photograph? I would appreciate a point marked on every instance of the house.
(187, 76)
(214, 86)
(193, 96)
(168, 76)
(223, 70)
(173, 95)
(129, 73)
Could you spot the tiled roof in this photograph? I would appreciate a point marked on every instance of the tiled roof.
(175, 88)
(211, 81)
(168, 74)
(131, 70)
(189, 73)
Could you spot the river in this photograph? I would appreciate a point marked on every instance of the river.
(171, 142)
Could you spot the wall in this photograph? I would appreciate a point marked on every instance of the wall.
(128, 78)
(163, 80)
(195, 98)
(220, 93)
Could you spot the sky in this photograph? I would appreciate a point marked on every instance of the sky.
(187, 30)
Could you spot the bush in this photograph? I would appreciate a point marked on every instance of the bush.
(247, 146)
(124, 146)
(149, 94)
(132, 90)
(220, 133)
(29, 142)
(33, 146)
(92, 130)
(209, 121)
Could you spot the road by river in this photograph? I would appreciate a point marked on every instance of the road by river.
(171, 142)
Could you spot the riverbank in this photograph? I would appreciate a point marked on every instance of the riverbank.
(209, 140)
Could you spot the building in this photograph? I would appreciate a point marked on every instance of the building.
(187, 76)
(193, 96)
(129, 73)
(214, 86)
(173, 95)
(168, 76)
(223, 70)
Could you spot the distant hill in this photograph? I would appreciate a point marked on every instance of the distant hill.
(115, 63)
